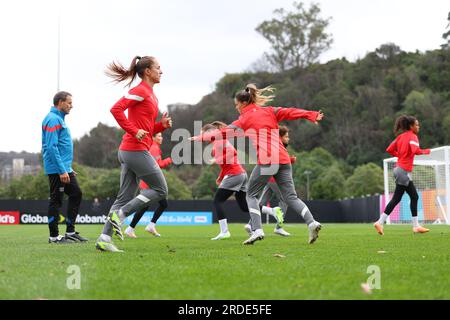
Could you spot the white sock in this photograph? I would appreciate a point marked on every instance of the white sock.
(122, 216)
(415, 221)
(130, 228)
(151, 225)
(312, 224)
(223, 226)
(267, 210)
(70, 233)
(53, 238)
(383, 218)
(105, 238)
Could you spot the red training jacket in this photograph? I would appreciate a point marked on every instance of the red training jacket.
(227, 158)
(260, 124)
(155, 151)
(405, 147)
(142, 106)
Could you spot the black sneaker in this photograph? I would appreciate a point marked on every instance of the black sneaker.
(76, 237)
(61, 240)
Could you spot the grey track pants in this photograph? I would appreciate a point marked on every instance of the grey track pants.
(135, 166)
(285, 182)
(272, 189)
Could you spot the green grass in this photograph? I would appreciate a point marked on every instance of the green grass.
(185, 264)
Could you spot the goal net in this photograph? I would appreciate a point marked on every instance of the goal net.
(431, 176)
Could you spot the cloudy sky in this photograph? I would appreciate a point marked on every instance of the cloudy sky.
(196, 42)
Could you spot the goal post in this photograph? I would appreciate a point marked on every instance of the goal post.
(431, 176)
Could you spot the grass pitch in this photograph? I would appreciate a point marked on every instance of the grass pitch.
(185, 264)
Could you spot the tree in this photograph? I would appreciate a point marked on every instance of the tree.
(206, 183)
(446, 35)
(366, 180)
(105, 185)
(99, 148)
(329, 185)
(297, 38)
(178, 189)
(318, 161)
(27, 188)
(388, 52)
(446, 126)
(427, 108)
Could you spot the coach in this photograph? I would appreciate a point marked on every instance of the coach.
(57, 153)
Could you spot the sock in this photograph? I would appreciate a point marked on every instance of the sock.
(267, 210)
(383, 219)
(105, 238)
(223, 226)
(130, 228)
(415, 221)
(151, 225)
(122, 216)
(53, 238)
(70, 233)
(307, 216)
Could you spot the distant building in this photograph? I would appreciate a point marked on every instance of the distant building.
(18, 169)
(7, 173)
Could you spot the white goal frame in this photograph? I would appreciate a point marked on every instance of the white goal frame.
(439, 159)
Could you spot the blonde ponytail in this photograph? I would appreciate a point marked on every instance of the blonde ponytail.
(251, 94)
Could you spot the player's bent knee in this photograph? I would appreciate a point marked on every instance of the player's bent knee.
(163, 204)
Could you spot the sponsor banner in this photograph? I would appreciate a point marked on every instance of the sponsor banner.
(38, 218)
(9, 217)
(175, 218)
(427, 207)
(87, 219)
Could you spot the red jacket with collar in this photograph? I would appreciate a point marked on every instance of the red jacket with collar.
(260, 124)
(142, 106)
(405, 147)
(155, 151)
(226, 158)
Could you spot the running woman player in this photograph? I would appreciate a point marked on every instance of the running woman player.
(155, 151)
(232, 178)
(134, 156)
(260, 124)
(272, 189)
(405, 147)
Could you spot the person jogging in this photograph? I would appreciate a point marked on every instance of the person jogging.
(57, 153)
(155, 151)
(260, 124)
(272, 190)
(405, 147)
(135, 159)
(232, 178)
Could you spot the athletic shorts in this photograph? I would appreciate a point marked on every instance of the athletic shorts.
(402, 177)
(235, 182)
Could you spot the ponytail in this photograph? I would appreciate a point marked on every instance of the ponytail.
(404, 123)
(251, 94)
(118, 73)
